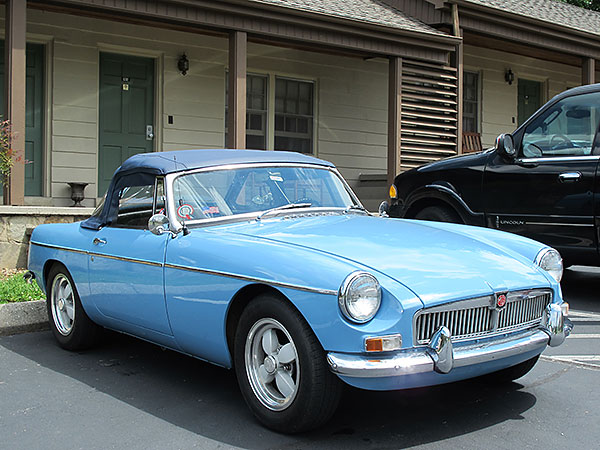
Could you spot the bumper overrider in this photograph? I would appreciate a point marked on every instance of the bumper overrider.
(442, 356)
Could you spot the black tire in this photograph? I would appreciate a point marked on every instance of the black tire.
(317, 391)
(511, 373)
(438, 214)
(74, 331)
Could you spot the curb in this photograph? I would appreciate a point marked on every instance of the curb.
(22, 317)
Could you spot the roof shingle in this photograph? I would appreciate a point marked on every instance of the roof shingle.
(374, 12)
(551, 11)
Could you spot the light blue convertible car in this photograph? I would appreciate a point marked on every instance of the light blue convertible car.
(267, 263)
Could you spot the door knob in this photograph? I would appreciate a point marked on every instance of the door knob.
(149, 132)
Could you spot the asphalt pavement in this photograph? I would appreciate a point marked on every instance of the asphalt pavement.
(132, 395)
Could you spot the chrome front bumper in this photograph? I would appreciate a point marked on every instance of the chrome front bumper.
(442, 356)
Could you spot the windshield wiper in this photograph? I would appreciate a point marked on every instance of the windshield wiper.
(356, 208)
(280, 208)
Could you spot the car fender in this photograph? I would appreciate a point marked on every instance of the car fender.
(441, 192)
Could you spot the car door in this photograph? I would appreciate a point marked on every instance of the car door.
(547, 193)
(126, 262)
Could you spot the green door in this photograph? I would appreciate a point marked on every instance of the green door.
(126, 112)
(34, 116)
(530, 98)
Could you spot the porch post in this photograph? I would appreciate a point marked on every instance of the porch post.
(237, 90)
(14, 93)
(394, 116)
(456, 61)
(588, 71)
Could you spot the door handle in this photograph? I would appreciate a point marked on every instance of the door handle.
(149, 132)
(97, 241)
(569, 177)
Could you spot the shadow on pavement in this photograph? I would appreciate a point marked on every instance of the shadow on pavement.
(205, 399)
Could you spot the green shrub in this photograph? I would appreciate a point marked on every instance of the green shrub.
(15, 289)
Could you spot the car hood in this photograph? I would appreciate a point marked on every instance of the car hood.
(437, 262)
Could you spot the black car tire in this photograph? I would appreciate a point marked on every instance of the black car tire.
(512, 373)
(75, 331)
(316, 391)
(438, 214)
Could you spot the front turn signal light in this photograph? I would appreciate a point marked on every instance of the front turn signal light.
(383, 343)
(393, 191)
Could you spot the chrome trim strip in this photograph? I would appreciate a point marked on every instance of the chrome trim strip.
(561, 224)
(558, 159)
(57, 247)
(416, 361)
(100, 255)
(246, 278)
(123, 258)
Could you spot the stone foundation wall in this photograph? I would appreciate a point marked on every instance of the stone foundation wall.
(17, 223)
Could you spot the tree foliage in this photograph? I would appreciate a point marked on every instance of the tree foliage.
(588, 4)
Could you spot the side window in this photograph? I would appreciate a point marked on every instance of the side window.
(566, 129)
(138, 203)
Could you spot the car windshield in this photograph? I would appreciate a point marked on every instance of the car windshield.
(229, 192)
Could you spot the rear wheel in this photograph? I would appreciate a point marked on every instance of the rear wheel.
(71, 326)
(438, 214)
(512, 373)
(281, 368)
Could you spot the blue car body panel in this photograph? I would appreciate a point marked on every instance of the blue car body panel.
(177, 290)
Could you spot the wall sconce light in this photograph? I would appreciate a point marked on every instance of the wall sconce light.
(509, 76)
(183, 64)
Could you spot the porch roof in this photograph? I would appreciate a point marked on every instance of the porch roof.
(366, 11)
(549, 11)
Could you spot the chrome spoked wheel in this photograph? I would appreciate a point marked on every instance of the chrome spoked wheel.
(62, 304)
(272, 364)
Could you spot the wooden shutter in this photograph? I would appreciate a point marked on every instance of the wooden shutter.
(429, 113)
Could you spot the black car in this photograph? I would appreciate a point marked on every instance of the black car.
(539, 182)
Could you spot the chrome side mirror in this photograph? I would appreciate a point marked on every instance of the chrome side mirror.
(158, 224)
(505, 146)
(384, 207)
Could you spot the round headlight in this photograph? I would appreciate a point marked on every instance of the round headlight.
(551, 261)
(360, 297)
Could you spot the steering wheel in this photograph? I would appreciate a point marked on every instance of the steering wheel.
(308, 200)
(561, 138)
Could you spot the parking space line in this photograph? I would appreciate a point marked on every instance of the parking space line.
(576, 313)
(584, 336)
(576, 360)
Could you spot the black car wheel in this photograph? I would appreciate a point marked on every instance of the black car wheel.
(281, 368)
(438, 214)
(71, 326)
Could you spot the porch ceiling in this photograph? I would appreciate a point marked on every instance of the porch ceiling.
(543, 24)
(264, 20)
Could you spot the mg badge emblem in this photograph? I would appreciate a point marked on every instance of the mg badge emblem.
(501, 301)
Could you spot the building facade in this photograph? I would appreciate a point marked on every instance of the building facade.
(375, 87)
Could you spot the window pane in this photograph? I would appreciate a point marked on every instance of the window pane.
(471, 101)
(256, 111)
(294, 115)
(566, 129)
(135, 206)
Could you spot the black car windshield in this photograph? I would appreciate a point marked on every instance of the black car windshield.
(229, 192)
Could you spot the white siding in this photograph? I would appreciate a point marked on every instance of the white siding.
(351, 95)
(498, 107)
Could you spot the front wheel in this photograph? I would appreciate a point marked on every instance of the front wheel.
(438, 214)
(281, 368)
(71, 326)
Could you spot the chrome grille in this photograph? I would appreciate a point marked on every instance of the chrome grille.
(479, 317)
